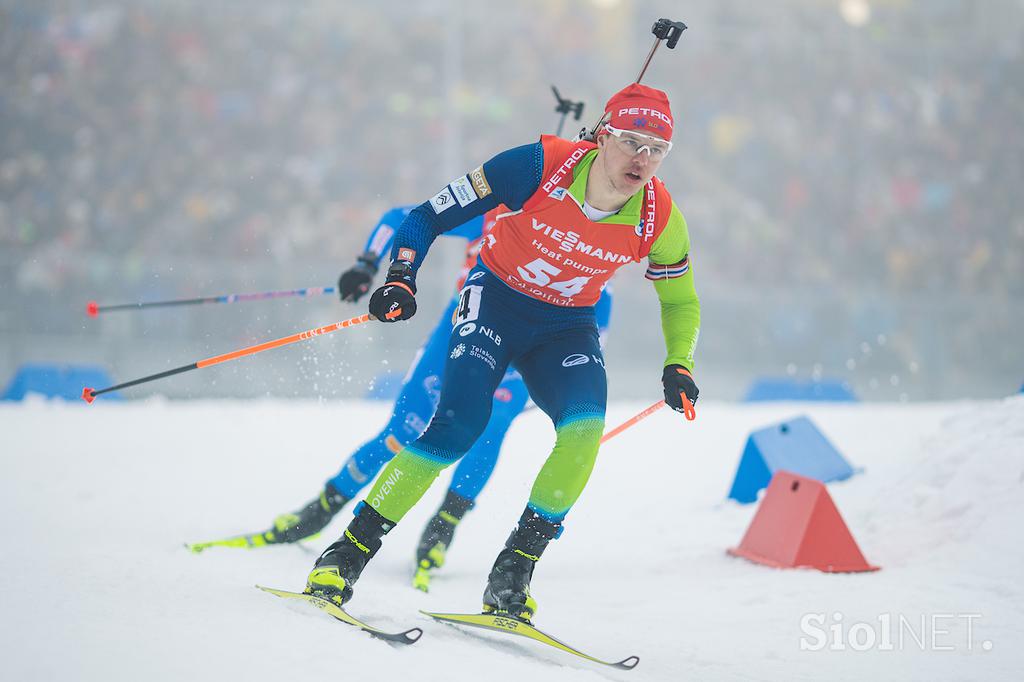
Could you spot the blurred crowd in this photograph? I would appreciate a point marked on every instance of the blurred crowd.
(879, 166)
(280, 131)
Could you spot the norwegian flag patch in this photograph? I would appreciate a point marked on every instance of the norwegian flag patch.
(656, 272)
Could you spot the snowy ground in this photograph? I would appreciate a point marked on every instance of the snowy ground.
(97, 501)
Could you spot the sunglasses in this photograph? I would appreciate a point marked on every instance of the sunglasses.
(634, 143)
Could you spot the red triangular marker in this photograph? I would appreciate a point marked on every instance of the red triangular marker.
(798, 524)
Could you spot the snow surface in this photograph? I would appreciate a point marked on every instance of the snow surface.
(97, 501)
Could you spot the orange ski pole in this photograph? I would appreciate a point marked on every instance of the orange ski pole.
(89, 394)
(690, 413)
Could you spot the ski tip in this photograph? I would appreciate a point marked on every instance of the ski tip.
(92, 309)
(281, 593)
(432, 614)
(627, 664)
(412, 636)
(194, 547)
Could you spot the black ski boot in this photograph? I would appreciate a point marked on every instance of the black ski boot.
(437, 538)
(307, 521)
(508, 585)
(338, 568)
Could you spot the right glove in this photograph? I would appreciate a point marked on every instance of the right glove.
(355, 282)
(396, 300)
(677, 382)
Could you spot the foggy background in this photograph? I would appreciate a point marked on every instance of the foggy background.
(850, 172)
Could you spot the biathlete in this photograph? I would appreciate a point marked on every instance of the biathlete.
(413, 408)
(577, 212)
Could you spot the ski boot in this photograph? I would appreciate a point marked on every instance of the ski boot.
(437, 538)
(308, 521)
(338, 568)
(508, 585)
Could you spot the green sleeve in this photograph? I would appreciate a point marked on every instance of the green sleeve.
(680, 307)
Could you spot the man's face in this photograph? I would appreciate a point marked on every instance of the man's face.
(628, 172)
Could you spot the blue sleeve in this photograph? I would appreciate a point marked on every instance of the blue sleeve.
(603, 312)
(470, 230)
(383, 236)
(509, 178)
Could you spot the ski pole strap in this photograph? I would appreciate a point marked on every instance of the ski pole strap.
(688, 409)
(89, 394)
(93, 309)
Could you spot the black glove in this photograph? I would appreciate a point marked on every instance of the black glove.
(677, 379)
(396, 300)
(355, 282)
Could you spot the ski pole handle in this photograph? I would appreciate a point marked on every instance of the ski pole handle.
(93, 309)
(89, 394)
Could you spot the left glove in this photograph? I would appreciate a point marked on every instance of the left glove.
(396, 300)
(676, 380)
(355, 282)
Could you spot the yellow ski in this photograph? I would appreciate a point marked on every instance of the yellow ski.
(250, 541)
(329, 607)
(515, 626)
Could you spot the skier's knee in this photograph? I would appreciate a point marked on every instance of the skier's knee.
(452, 435)
(450, 439)
(582, 433)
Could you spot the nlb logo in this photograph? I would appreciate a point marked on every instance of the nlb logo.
(491, 334)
